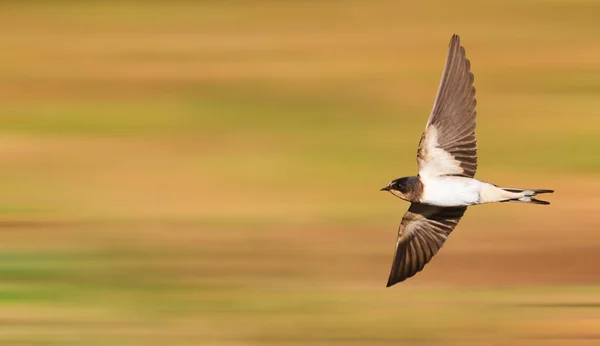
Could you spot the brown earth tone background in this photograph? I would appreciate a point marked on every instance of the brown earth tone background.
(208, 173)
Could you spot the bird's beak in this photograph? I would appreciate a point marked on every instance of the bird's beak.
(387, 188)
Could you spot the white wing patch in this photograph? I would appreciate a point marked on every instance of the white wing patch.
(435, 161)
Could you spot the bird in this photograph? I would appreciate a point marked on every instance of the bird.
(447, 161)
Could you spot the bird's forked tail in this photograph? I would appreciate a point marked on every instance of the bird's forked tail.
(527, 195)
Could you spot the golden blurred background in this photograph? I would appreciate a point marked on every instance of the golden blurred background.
(208, 173)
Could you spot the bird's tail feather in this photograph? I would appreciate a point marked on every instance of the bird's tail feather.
(528, 195)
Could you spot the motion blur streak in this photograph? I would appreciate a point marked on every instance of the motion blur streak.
(179, 173)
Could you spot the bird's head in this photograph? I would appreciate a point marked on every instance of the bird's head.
(405, 188)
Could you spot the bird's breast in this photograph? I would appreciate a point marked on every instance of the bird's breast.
(450, 191)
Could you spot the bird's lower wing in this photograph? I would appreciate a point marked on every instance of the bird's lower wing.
(422, 233)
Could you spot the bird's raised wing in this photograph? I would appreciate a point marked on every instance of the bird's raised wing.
(423, 231)
(448, 145)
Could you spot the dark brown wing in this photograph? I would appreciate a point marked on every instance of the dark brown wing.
(423, 231)
(448, 145)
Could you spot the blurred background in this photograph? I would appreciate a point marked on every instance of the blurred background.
(208, 173)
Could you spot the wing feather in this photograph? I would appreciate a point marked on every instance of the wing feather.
(448, 145)
(423, 230)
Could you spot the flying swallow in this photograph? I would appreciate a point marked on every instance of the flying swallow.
(445, 185)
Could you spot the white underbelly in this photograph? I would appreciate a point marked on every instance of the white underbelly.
(451, 191)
